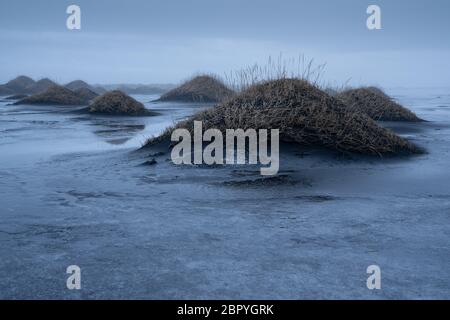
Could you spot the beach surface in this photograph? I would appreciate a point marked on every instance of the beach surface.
(73, 191)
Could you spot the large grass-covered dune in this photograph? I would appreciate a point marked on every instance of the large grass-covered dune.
(304, 114)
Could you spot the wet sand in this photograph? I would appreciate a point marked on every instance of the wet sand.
(73, 190)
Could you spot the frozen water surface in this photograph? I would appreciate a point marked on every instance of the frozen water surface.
(73, 191)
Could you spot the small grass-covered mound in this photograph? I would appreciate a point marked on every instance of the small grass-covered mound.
(55, 95)
(376, 104)
(86, 94)
(204, 88)
(118, 103)
(304, 114)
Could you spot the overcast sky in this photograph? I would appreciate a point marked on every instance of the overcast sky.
(149, 41)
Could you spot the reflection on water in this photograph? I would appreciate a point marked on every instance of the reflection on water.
(117, 132)
(28, 133)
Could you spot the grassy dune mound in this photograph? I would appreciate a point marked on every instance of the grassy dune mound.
(77, 84)
(54, 95)
(18, 85)
(41, 86)
(376, 104)
(202, 88)
(86, 94)
(26, 85)
(80, 84)
(304, 114)
(4, 91)
(118, 103)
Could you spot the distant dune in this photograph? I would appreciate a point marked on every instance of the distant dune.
(54, 95)
(204, 88)
(26, 85)
(18, 85)
(80, 84)
(17, 97)
(4, 91)
(40, 86)
(86, 94)
(77, 84)
(376, 104)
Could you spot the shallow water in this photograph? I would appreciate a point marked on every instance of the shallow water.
(73, 191)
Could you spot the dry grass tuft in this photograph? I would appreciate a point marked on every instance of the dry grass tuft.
(376, 104)
(275, 69)
(304, 114)
(202, 88)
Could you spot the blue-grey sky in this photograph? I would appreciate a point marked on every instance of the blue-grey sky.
(149, 41)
